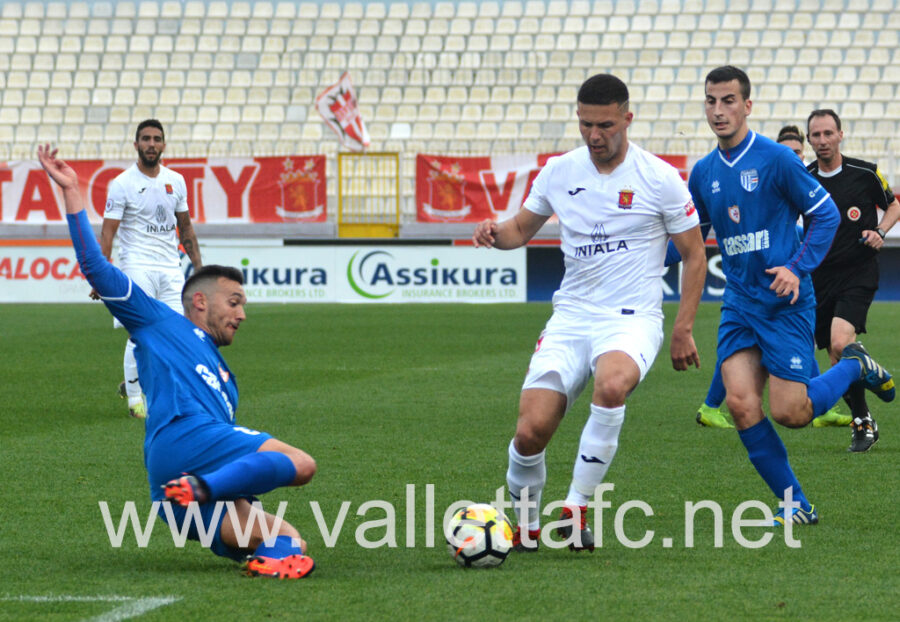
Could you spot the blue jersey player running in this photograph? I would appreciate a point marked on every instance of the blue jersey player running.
(193, 450)
(753, 190)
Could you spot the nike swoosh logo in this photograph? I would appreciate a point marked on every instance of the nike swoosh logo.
(514, 496)
(592, 459)
(572, 193)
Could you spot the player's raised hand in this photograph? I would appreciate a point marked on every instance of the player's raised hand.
(485, 233)
(785, 283)
(59, 171)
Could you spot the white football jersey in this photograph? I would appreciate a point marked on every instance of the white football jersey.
(614, 227)
(146, 206)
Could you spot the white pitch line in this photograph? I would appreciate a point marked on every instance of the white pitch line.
(133, 609)
(131, 606)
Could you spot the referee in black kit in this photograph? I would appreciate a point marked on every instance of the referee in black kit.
(846, 280)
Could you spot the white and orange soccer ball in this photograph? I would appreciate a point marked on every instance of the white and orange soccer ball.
(479, 536)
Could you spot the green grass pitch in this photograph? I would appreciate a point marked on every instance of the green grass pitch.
(387, 396)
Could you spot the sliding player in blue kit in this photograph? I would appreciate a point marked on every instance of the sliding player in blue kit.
(753, 190)
(193, 450)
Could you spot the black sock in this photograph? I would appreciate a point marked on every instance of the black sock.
(856, 400)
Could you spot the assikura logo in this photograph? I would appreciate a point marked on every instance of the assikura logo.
(378, 274)
(282, 275)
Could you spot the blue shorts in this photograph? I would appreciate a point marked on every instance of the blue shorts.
(198, 445)
(785, 340)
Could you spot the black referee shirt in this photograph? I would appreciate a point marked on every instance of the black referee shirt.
(858, 188)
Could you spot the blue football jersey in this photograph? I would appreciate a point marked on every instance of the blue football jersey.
(753, 195)
(180, 367)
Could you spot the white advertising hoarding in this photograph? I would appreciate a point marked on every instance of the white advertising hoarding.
(370, 274)
(310, 273)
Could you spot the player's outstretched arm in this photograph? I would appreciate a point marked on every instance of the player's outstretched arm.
(106, 279)
(693, 257)
(509, 234)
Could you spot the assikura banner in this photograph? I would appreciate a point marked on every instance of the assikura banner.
(39, 272)
(375, 274)
(219, 190)
(470, 189)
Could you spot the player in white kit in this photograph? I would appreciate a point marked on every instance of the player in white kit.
(617, 207)
(144, 206)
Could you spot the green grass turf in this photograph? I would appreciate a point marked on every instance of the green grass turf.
(386, 396)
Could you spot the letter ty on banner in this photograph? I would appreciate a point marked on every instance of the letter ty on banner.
(337, 105)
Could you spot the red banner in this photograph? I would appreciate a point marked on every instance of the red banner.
(470, 189)
(219, 190)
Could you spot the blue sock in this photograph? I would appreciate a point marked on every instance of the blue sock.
(769, 456)
(252, 474)
(824, 391)
(279, 547)
(716, 394)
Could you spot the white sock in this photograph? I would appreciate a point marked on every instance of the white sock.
(526, 472)
(599, 441)
(129, 365)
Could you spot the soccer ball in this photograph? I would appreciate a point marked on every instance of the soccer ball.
(479, 536)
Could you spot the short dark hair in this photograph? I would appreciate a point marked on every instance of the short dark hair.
(206, 275)
(789, 132)
(727, 73)
(149, 123)
(603, 89)
(823, 112)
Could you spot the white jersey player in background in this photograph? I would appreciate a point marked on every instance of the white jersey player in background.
(617, 207)
(144, 205)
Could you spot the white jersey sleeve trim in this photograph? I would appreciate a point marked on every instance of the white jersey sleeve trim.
(813, 208)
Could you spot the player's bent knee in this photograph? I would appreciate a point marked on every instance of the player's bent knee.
(744, 408)
(791, 415)
(611, 395)
(306, 468)
(529, 441)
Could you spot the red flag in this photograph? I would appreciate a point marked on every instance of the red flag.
(337, 105)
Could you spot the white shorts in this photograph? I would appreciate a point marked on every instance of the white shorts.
(164, 285)
(567, 350)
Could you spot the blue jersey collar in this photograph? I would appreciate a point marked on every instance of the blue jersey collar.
(733, 156)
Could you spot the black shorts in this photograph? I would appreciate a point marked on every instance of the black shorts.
(846, 293)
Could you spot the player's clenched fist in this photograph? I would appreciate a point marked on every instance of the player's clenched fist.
(484, 233)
